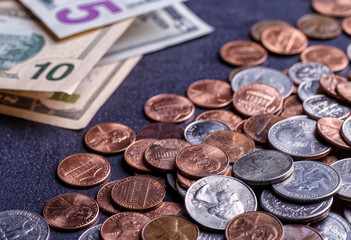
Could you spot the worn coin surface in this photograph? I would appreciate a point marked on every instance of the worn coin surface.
(330, 129)
(304, 71)
(344, 91)
(104, 199)
(258, 28)
(134, 155)
(328, 84)
(161, 130)
(346, 130)
(300, 232)
(346, 25)
(92, 233)
(343, 167)
(224, 116)
(167, 208)
(337, 8)
(23, 224)
(307, 89)
(291, 107)
(213, 201)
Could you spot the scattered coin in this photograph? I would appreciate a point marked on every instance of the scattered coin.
(338, 8)
(211, 236)
(330, 130)
(307, 89)
(240, 126)
(346, 130)
(167, 208)
(224, 116)
(161, 130)
(104, 199)
(181, 191)
(347, 214)
(258, 28)
(292, 107)
(233, 73)
(301, 232)
(344, 91)
(328, 160)
(346, 25)
(171, 180)
(92, 233)
(184, 181)
(343, 167)
(348, 51)
(134, 155)
(304, 71)
(328, 84)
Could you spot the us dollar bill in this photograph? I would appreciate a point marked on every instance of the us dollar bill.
(68, 111)
(157, 30)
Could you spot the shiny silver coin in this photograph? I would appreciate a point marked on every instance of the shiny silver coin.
(23, 224)
(310, 182)
(265, 75)
(263, 167)
(213, 201)
(92, 233)
(211, 236)
(171, 180)
(181, 191)
(304, 71)
(308, 89)
(296, 136)
(348, 51)
(333, 227)
(346, 130)
(321, 106)
(294, 212)
(343, 167)
(196, 131)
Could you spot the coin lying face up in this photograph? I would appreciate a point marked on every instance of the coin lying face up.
(304, 71)
(343, 167)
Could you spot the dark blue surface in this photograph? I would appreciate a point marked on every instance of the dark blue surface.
(31, 152)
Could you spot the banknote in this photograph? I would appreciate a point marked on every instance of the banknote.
(68, 111)
(156, 30)
(68, 17)
(30, 59)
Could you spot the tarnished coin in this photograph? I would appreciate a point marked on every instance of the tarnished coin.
(294, 212)
(254, 225)
(300, 232)
(124, 225)
(161, 130)
(104, 199)
(243, 53)
(263, 167)
(23, 224)
(213, 201)
(170, 227)
(330, 130)
(258, 28)
(71, 211)
(335, 8)
(292, 107)
(240, 126)
(310, 182)
(92, 233)
(184, 181)
(169, 108)
(265, 75)
(224, 116)
(196, 131)
(304, 71)
(109, 138)
(84, 170)
(343, 167)
(211, 236)
(308, 88)
(346, 25)
(167, 208)
(321, 106)
(328, 84)
(346, 130)
(134, 155)
(344, 91)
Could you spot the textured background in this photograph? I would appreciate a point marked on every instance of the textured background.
(30, 152)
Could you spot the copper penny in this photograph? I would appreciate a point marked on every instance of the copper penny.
(234, 144)
(254, 225)
(167, 208)
(124, 226)
(300, 232)
(161, 154)
(224, 116)
(159, 178)
(284, 40)
(329, 128)
(257, 127)
(258, 28)
(104, 199)
(161, 130)
(138, 193)
(108, 138)
(228, 172)
(344, 91)
(243, 53)
(184, 181)
(328, 84)
(332, 57)
(292, 107)
(201, 160)
(134, 155)
(319, 26)
(240, 126)
(257, 98)
(346, 25)
(169, 108)
(84, 170)
(328, 160)
(236, 71)
(71, 211)
(334, 8)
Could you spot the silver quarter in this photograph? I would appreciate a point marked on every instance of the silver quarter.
(346, 130)
(265, 75)
(23, 224)
(211, 236)
(213, 201)
(181, 191)
(308, 89)
(310, 182)
(343, 167)
(196, 131)
(263, 167)
(304, 71)
(92, 233)
(321, 106)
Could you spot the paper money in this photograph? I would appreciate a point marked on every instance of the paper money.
(68, 17)
(30, 59)
(157, 30)
(68, 111)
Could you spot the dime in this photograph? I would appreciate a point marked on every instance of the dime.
(196, 131)
(308, 88)
(213, 201)
(109, 138)
(336, 8)
(167, 208)
(169, 108)
(304, 71)
(181, 191)
(184, 181)
(301, 232)
(211, 236)
(84, 170)
(170, 227)
(344, 91)
(104, 199)
(23, 224)
(134, 155)
(343, 167)
(346, 25)
(258, 28)
(161, 130)
(233, 73)
(243, 53)
(224, 116)
(254, 225)
(328, 84)
(346, 130)
(310, 182)
(71, 211)
(329, 129)
(292, 107)
(92, 233)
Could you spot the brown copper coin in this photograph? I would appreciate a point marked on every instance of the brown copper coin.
(335, 8)
(346, 25)
(234, 144)
(161, 130)
(243, 53)
(236, 71)
(104, 199)
(167, 208)
(228, 172)
(71, 211)
(300, 232)
(169, 108)
(329, 129)
(332, 57)
(254, 225)
(328, 84)
(84, 170)
(184, 181)
(284, 40)
(224, 116)
(258, 28)
(109, 138)
(328, 160)
(124, 226)
(201, 160)
(138, 193)
(159, 178)
(134, 155)
(319, 26)
(257, 98)
(257, 127)
(240, 126)
(344, 91)
(161, 154)
(292, 107)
